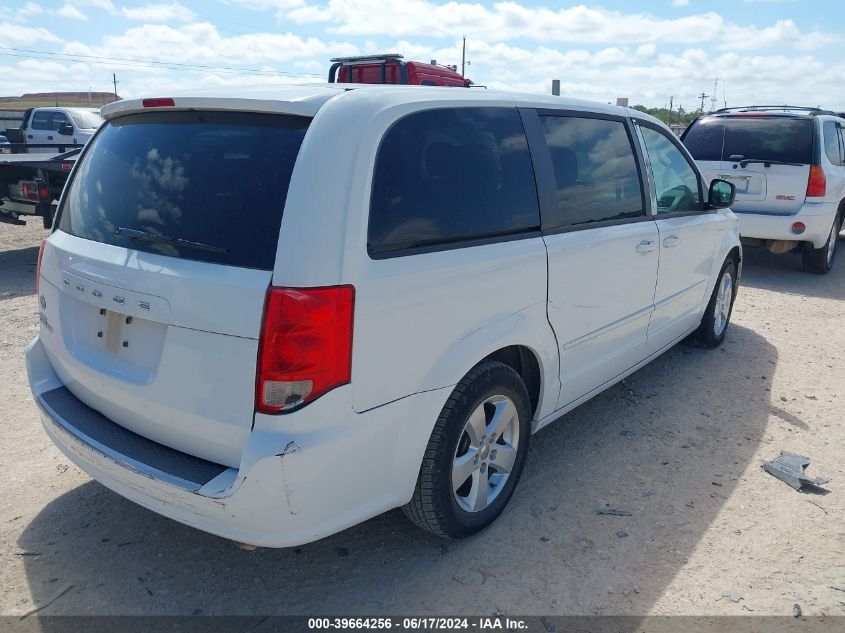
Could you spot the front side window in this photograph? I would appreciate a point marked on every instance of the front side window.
(832, 142)
(596, 175)
(675, 179)
(41, 120)
(449, 175)
(59, 119)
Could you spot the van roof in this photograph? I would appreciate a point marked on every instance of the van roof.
(307, 99)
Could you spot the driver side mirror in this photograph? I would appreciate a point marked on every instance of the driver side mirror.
(66, 129)
(722, 194)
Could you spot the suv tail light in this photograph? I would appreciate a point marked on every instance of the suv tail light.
(305, 349)
(817, 183)
(38, 265)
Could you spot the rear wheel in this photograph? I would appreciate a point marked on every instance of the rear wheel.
(820, 260)
(714, 323)
(475, 455)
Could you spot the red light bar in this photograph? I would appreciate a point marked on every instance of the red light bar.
(159, 102)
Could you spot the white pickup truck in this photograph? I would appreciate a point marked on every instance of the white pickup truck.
(43, 150)
(45, 128)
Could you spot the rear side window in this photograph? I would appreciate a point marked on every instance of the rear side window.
(41, 120)
(833, 143)
(219, 179)
(448, 175)
(773, 138)
(596, 174)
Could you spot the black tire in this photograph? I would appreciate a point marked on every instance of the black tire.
(706, 335)
(433, 506)
(820, 260)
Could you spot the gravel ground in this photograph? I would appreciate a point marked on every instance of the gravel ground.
(678, 445)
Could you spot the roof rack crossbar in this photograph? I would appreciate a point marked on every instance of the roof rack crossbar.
(367, 58)
(765, 108)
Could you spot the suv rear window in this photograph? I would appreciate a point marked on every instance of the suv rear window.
(217, 178)
(775, 138)
(450, 175)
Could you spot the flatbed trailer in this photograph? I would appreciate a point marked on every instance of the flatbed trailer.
(31, 184)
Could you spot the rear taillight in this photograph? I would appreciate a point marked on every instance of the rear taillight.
(29, 190)
(817, 183)
(38, 265)
(306, 345)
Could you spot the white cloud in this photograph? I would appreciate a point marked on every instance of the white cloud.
(69, 11)
(509, 20)
(680, 3)
(101, 5)
(173, 12)
(11, 34)
(26, 11)
(598, 54)
(202, 43)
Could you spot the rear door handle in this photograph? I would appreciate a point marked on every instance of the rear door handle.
(49, 138)
(671, 241)
(646, 246)
(29, 136)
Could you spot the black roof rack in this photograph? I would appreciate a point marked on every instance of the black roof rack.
(774, 108)
(362, 59)
(383, 59)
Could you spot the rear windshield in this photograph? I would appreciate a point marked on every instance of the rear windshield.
(219, 179)
(784, 139)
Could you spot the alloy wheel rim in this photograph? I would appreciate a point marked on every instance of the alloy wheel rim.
(722, 310)
(486, 453)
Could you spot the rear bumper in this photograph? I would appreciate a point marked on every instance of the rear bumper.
(816, 216)
(301, 477)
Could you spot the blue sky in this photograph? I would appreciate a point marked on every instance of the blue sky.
(760, 50)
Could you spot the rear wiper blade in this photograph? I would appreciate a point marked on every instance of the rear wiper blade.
(135, 234)
(745, 162)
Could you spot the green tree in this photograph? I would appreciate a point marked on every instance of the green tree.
(675, 117)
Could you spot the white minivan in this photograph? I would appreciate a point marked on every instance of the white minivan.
(274, 317)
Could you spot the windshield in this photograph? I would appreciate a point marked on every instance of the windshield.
(86, 120)
(217, 178)
(773, 138)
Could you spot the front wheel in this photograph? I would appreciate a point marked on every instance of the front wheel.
(714, 323)
(820, 260)
(475, 455)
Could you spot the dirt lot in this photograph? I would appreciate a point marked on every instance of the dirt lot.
(678, 445)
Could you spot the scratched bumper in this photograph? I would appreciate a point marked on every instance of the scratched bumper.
(301, 477)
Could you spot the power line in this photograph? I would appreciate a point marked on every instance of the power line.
(131, 61)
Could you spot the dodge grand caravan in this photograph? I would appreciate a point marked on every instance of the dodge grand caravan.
(274, 318)
(788, 165)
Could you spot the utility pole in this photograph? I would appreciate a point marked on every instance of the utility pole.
(714, 98)
(671, 107)
(702, 96)
(464, 57)
(114, 79)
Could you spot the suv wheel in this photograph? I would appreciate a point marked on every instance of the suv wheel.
(820, 260)
(714, 323)
(475, 455)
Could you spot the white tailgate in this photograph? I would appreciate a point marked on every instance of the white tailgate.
(776, 190)
(163, 346)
